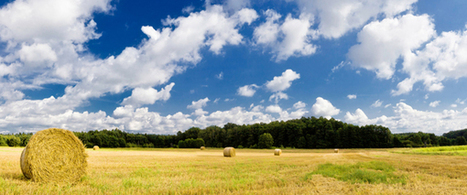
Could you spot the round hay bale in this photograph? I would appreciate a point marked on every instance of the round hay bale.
(96, 147)
(54, 155)
(336, 150)
(202, 148)
(229, 152)
(277, 152)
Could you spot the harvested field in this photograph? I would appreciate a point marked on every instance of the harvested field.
(192, 171)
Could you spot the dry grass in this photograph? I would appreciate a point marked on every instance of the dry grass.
(191, 171)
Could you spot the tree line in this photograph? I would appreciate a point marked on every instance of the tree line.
(305, 132)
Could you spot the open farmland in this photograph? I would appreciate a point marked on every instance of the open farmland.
(252, 171)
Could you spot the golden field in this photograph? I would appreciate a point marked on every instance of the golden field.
(252, 171)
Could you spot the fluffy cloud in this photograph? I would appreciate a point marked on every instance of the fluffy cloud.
(338, 17)
(247, 90)
(292, 37)
(383, 42)
(442, 58)
(324, 108)
(408, 119)
(141, 96)
(283, 82)
(51, 50)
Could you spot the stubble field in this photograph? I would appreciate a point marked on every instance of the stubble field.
(192, 171)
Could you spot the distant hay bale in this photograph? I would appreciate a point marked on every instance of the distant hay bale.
(336, 150)
(202, 148)
(229, 152)
(54, 155)
(96, 147)
(277, 152)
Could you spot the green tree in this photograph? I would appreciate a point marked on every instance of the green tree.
(265, 141)
(460, 140)
(13, 141)
(3, 141)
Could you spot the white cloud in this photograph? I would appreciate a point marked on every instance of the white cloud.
(377, 104)
(387, 105)
(37, 53)
(408, 119)
(324, 108)
(57, 34)
(283, 82)
(383, 42)
(341, 16)
(453, 105)
(434, 104)
(140, 96)
(247, 90)
(352, 96)
(29, 21)
(299, 105)
(198, 104)
(459, 101)
(290, 38)
(274, 109)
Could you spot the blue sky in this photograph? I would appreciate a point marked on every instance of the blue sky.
(165, 66)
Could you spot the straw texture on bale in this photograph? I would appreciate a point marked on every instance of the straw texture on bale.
(229, 152)
(277, 152)
(54, 155)
(95, 148)
(336, 150)
(202, 148)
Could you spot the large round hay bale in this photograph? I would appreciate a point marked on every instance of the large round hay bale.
(229, 152)
(96, 147)
(277, 152)
(54, 155)
(336, 150)
(202, 148)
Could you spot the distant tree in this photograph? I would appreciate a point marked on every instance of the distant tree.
(460, 140)
(265, 141)
(301, 142)
(13, 141)
(3, 141)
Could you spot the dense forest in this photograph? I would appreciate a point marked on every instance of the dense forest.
(299, 133)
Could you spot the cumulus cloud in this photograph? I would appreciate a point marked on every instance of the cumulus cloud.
(339, 17)
(408, 119)
(283, 82)
(383, 42)
(434, 104)
(324, 108)
(141, 96)
(352, 96)
(46, 45)
(442, 58)
(247, 90)
(292, 37)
